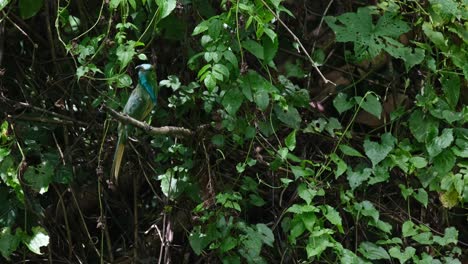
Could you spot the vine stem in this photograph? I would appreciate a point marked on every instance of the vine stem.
(300, 44)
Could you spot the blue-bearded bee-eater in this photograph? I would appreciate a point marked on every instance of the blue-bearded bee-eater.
(139, 105)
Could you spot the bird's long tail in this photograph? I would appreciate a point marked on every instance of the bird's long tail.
(118, 155)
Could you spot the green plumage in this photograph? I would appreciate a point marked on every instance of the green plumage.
(139, 105)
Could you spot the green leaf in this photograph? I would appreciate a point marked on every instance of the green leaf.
(451, 87)
(366, 208)
(232, 100)
(165, 7)
(39, 239)
(254, 48)
(317, 244)
(229, 56)
(408, 229)
(370, 104)
(369, 39)
(424, 238)
(438, 144)
(262, 99)
(300, 172)
(421, 124)
(124, 80)
(8, 242)
(306, 193)
(377, 152)
(418, 162)
(29, 8)
(290, 140)
(421, 196)
(341, 166)
(220, 68)
(266, 234)
(372, 251)
(210, 81)
(270, 47)
(341, 103)
(356, 178)
(395, 252)
(290, 117)
(333, 217)
(227, 244)
(350, 151)
(40, 176)
(450, 237)
(198, 240)
(125, 54)
(200, 28)
(3, 3)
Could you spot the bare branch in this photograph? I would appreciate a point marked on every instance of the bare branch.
(165, 130)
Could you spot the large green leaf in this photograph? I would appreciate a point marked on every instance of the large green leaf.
(29, 8)
(372, 251)
(377, 152)
(232, 100)
(165, 7)
(39, 239)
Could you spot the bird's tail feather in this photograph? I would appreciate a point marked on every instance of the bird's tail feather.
(119, 151)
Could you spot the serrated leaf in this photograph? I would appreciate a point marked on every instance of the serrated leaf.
(333, 217)
(341, 166)
(369, 39)
(356, 178)
(307, 194)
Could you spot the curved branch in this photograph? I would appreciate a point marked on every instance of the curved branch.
(165, 130)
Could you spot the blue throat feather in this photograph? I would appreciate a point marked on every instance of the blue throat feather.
(144, 82)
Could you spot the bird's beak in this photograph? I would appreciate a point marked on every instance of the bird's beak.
(138, 67)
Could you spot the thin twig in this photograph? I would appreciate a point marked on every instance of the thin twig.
(300, 44)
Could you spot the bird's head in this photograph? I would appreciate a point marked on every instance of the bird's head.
(147, 78)
(144, 67)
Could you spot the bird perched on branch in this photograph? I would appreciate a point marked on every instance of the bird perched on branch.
(139, 105)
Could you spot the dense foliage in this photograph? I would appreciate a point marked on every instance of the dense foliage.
(313, 131)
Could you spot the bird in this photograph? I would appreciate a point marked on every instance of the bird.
(139, 105)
